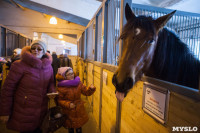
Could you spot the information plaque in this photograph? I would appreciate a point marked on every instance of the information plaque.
(155, 102)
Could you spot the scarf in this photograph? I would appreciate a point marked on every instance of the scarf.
(69, 83)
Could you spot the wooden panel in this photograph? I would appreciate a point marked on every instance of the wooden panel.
(133, 118)
(183, 111)
(109, 103)
(90, 79)
(73, 59)
(96, 96)
(80, 69)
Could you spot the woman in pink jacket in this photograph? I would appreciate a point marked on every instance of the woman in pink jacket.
(23, 98)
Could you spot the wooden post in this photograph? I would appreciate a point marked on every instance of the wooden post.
(122, 23)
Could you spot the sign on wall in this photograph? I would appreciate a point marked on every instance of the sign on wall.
(155, 102)
(105, 76)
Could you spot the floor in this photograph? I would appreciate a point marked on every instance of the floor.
(89, 127)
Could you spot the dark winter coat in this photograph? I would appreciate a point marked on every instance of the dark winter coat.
(55, 64)
(23, 96)
(13, 59)
(77, 116)
(65, 62)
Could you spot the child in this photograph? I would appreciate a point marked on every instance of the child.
(70, 89)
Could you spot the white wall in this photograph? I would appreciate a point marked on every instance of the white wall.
(55, 45)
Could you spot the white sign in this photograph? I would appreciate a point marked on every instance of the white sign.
(105, 76)
(90, 67)
(154, 102)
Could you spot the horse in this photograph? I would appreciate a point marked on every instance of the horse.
(155, 51)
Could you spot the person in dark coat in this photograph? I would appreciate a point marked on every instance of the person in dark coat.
(55, 65)
(15, 56)
(70, 89)
(65, 61)
(23, 98)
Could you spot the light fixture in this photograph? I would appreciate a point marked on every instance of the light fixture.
(53, 20)
(60, 36)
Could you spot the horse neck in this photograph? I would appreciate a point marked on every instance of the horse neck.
(173, 61)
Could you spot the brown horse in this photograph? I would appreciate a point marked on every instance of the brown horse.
(139, 38)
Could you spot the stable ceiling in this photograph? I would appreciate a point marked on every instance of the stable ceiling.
(28, 16)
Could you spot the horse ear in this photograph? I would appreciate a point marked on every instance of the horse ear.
(128, 12)
(161, 21)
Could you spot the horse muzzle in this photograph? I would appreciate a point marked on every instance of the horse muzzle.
(124, 86)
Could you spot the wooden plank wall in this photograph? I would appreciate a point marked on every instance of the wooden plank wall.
(96, 95)
(133, 118)
(80, 71)
(74, 62)
(109, 105)
(182, 110)
(90, 80)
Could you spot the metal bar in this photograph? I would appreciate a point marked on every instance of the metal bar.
(198, 38)
(152, 8)
(6, 41)
(191, 42)
(100, 100)
(105, 45)
(96, 33)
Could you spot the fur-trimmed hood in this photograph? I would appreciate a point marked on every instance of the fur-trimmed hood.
(29, 59)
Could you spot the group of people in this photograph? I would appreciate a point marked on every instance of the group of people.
(24, 101)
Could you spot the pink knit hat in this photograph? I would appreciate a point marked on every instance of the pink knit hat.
(62, 70)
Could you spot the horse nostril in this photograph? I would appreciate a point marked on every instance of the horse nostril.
(128, 83)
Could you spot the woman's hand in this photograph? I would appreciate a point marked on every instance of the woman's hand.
(4, 119)
(72, 105)
(92, 87)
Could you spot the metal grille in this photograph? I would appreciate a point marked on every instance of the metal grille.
(185, 24)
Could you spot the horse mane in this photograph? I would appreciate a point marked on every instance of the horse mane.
(173, 61)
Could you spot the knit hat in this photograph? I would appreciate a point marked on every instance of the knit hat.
(18, 51)
(41, 43)
(62, 70)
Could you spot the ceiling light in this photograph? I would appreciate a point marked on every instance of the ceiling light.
(53, 20)
(60, 36)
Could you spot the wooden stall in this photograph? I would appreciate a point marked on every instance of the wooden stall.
(129, 116)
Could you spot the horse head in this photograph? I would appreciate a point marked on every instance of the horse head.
(139, 37)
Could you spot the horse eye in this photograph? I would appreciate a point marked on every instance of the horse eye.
(150, 41)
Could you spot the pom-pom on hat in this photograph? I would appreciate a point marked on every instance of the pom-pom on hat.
(41, 43)
(62, 70)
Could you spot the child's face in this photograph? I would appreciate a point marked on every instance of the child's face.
(69, 75)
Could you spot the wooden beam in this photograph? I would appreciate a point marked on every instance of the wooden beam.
(17, 5)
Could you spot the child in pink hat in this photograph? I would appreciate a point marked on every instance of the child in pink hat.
(70, 89)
